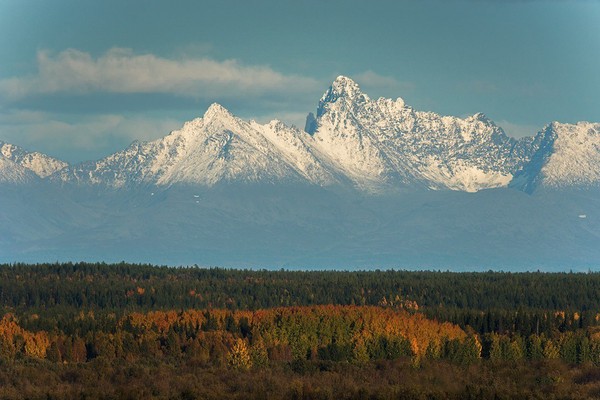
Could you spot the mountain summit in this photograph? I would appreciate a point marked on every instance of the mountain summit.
(384, 142)
(38, 163)
(566, 155)
(218, 147)
(343, 90)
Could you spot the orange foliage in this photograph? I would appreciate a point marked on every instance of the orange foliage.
(35, 344)
(293, 331)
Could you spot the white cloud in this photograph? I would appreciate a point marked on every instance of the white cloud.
(289, 118)
(122, 71)
(518, 130)
(88, 137)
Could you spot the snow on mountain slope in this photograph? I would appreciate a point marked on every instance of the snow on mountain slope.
(373, 145)
(13, 173)
(376, 146)
(567, 155)
(341, 135)
(217, 147)
(41, 164)
(378, 142)
(297, 148)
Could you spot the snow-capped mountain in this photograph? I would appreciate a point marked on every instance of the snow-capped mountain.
(217, 147)
(374, 144)
(567, 155)
(387, 142)
(41, 164)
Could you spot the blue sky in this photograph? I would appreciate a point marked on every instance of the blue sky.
(82, 79)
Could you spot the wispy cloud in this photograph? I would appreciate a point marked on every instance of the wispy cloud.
(518, 130)
(297, 119)
(78, 140)
(122, 71)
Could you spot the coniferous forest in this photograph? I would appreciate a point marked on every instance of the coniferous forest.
(100, 331)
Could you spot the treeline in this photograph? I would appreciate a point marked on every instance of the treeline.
(102, 286)
(69, 284)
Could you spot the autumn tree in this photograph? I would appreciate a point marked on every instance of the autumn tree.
(239, 356)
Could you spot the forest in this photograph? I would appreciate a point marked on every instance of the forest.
(81, 330)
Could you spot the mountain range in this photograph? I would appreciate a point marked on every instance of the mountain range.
(367, 183)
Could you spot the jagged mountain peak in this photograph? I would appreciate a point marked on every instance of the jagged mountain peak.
(344, 88)
(216, 110)
(278, 125)
(215, 118)
(576, 128)
(566, 155)
(344, 93)
(40, 164)
(575, 159)
(219, 147)
(480, 117)
(342, 85)
(385, 142)
(218, 117)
